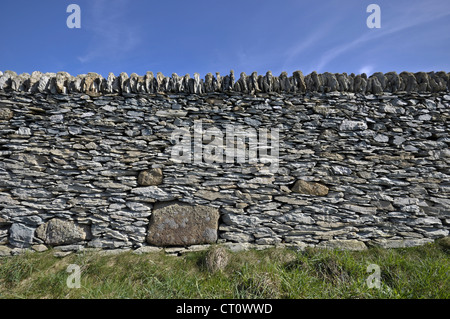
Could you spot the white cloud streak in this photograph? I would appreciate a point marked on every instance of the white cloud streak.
(309, 42)
(112, 35)
(413, 16)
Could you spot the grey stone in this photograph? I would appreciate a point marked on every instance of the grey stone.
(147, 250)
(180, 224)
(360, 209)
(73, 248)
(23, 131)
(5, 251)
(21, 236)
(341, 170)
(209, 195)
(152, 177)
(381, 138)
(402, 243)
(291, 200)
(6, 114)
(153, 192)
(310, 188)
(39, 248)
(295, 218)
(349, 244)
(171, 113)
(62, 254)
(349, 125)
(216, 259)
(62, 232)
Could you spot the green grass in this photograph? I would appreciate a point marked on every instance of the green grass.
(419, 272)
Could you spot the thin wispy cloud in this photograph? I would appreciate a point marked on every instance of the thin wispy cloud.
(112, 33)
(309, 42)
(412, 16)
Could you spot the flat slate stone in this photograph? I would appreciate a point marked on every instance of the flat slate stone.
(20, 235)
(348, 244)
(310, 188)
(180, 224)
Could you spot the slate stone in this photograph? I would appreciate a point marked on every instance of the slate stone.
(21, 236)
(349, 125)
(5, 251)
(310, 188)
(350, 244)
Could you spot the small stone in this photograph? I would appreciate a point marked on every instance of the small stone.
(147, 250)
(310, 188)
(381, 138)
(153, 192)
(171, 113)
(39, 248)
(73, 248)
(20, 235)
(360, 209)
(341, 170)
(425, 117)
(138, 207)
(91, 146)
(350, 244)
(6, 114)
(75, 130)
(152, 177)
(209, 195)
(348, 125)
(444, 242)
(62, 254)
(252, 122)
(216, 259)
(237, 247)
(398, 140)
(5, 251)
(58, 118)
(295, 218)
(25, 131)
(291, 200)
(399, 243)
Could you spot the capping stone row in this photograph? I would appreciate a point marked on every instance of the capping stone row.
(95, 84)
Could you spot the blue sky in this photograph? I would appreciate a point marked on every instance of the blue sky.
(176, 36)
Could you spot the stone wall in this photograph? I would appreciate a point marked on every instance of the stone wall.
(92, 162)
(95, 84)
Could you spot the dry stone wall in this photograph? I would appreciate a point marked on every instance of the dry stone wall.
(88, 162)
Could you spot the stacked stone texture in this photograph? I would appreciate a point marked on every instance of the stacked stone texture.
(87, 161)
(93, 83)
